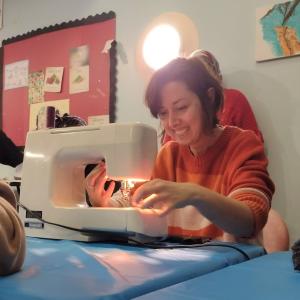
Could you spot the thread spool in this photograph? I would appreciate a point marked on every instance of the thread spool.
(50, 117)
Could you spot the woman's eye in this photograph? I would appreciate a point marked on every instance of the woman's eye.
(182, 107)
(162, 114)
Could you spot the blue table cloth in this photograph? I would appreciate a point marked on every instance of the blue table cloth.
(268, 277)
(58, 269)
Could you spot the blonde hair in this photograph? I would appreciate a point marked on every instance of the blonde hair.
(209, 60)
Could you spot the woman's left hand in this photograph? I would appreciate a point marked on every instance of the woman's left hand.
(165, 195)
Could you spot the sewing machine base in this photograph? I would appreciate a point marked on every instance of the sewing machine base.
(96, 224)
(97, 236)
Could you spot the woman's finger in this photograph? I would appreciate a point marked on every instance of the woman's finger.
(148, 202)
(153, 201)
(165, 210)
(94, 174)
(109, 191)
(98, 178)
(146, 190)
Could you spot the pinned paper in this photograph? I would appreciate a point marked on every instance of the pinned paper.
(79, 56)
(16, 74)
(107, 46)
(79, 80)
(53, 79)
(62, 106)
(98, 120)
(36, 87)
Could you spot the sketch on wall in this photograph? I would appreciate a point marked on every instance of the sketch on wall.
(278, 31)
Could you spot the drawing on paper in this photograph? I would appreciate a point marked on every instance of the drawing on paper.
(278, 31)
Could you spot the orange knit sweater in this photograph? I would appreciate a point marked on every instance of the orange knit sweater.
(235, 166)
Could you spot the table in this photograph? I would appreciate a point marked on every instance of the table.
(60, 269)
(268, 277)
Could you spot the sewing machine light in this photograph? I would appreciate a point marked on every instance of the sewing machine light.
(127, 185)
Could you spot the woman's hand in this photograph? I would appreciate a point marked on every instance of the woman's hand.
(164, 195)
(94, 184)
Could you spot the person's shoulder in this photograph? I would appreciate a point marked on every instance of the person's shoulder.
(236, 135)
(167, 154)
(170, 146)
(235, 95)
(231, 91)
(172, 149)
(243, 145)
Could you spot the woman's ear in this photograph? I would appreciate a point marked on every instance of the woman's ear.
(211, 94)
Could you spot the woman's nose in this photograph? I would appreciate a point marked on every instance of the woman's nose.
(173, 120)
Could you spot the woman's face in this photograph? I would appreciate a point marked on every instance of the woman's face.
(181, 114)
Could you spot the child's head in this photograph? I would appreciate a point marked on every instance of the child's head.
(209, 60)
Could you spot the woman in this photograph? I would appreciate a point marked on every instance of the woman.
(210, 180)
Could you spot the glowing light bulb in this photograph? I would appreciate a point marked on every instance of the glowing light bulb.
(161, 45)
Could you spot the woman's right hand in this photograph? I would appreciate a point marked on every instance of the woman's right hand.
(94, 184)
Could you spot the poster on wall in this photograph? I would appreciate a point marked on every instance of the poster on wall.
(278, 31)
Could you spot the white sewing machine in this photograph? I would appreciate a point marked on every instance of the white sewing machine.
(53, 181)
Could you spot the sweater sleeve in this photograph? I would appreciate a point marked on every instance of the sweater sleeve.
(249, 180)
(12, 236)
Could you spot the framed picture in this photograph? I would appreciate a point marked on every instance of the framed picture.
(278, 31)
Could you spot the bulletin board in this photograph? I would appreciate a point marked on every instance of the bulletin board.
(70, 66)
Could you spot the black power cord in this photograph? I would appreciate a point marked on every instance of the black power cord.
(165, 245)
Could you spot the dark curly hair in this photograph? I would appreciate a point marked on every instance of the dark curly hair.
(68, 121)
